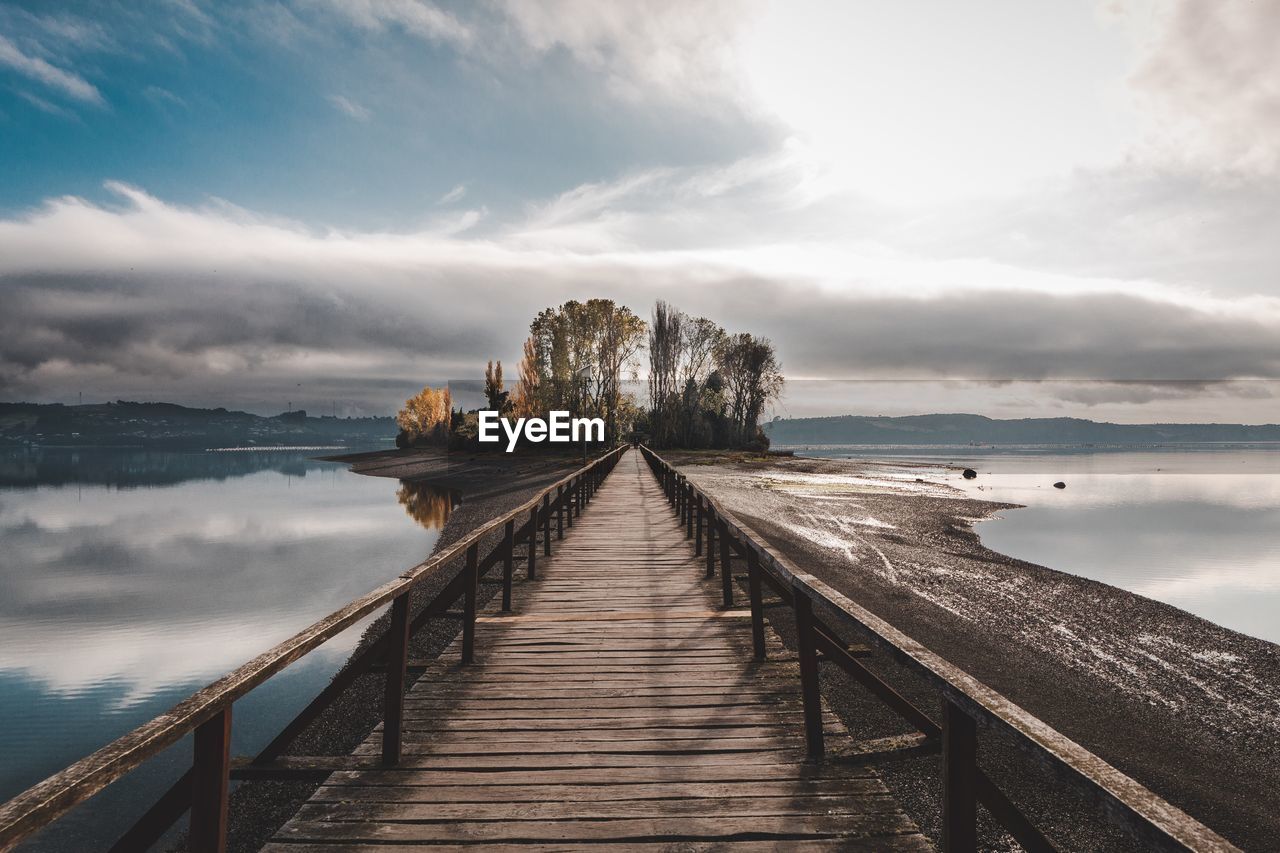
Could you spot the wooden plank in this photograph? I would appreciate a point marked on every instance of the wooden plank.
(882, 826)
(850, 845)
(790, 804)
(617, 705)
(538, 793)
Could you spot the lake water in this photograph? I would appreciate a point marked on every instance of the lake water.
(1198, 528)
(128, 580)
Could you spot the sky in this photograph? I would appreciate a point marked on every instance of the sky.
(1017, 209)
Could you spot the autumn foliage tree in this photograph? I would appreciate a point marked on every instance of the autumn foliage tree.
(525, 402)
(425, 418)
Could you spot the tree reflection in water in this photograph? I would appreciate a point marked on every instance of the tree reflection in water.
(426, 503)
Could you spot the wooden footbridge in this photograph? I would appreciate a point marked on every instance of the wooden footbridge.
(623, 699)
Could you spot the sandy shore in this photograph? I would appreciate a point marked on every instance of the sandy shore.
(1190, 709)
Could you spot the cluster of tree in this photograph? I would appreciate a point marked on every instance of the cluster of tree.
(707, 388)
(427, 418)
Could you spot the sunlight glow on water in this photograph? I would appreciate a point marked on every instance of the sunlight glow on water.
(129, 580)
(1200, 531)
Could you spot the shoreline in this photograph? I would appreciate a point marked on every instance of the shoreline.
(1187, 707)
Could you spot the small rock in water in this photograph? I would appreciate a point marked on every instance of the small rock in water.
(970, 474)
(1059, 485)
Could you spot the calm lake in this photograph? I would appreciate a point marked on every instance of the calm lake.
(1198, 528)
(130, 579)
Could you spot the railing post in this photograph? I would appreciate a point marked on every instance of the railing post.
(959, 780)
(508, 563)
(210, 784)
(711, 540)
(697, 529)
(393, 696)
(688, 510)
(546, 525)
(472, 572)
(560, 511)
(757, 603)
(808, 654)
(726, 565)
(682, 484)
(533, 543)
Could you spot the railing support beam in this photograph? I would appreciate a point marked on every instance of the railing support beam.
(210, 784)
(508, 563)
(756, 593)
(726, 567)
(397, 662)
(959, 780)
(533, 543)
(711, 541)
(546, 525)
(470, 594)
(809, 687)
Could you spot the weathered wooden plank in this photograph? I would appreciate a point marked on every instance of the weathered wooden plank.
(679, 828)
(600, 776)
(538, 793)
(618, 705)
(850, 845)
(748, 807)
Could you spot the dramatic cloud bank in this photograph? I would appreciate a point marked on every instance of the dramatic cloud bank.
(148, 296)
(779, 167)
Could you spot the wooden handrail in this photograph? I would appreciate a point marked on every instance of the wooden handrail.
(48, 800)
(1153, 820)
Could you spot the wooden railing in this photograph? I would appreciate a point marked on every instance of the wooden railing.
(203, 789)
(821, 614)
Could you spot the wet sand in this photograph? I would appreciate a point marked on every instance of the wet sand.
(1190, 709)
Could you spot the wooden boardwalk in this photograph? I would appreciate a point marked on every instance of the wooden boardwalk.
(618, 704)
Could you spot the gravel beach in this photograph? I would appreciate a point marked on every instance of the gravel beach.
(1188, 708)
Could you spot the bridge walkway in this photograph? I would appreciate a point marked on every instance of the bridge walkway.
(619, 705)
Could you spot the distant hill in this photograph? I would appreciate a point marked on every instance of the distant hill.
(168, 425)
(976, 429)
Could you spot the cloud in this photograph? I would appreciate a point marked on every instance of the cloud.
(38, 69)
(215, 300)
(455, 194)
(416, 17)
(349, 107)
(161, 96)
(45, 106)
(678, 47)
(1211, 78)
(675, 48)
